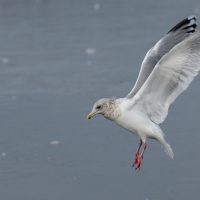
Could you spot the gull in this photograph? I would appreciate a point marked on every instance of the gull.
(166, 71)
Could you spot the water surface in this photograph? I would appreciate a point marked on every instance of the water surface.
(56, 59)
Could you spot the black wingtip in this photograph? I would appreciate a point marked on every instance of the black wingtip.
(188, 24)
(192, 17)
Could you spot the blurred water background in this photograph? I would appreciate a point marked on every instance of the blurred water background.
(56, 59)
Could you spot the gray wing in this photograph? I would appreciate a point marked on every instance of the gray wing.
(170, 77)
(177, 34)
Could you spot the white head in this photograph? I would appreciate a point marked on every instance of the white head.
(105, 107)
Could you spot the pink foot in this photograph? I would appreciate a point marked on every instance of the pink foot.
(137, 154)
(139, 162)
(136, 159)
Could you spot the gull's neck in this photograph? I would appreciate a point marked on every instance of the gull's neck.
(113, 109)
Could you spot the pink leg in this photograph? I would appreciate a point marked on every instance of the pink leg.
(140, 157)
(137, 154)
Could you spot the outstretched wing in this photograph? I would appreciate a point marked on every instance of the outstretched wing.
(170, 77)
(177, 34)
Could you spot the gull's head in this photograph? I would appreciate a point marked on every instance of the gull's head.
(104, 107)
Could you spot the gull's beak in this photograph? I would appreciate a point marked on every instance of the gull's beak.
(90, 115)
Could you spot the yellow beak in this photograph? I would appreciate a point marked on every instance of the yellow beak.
(90, 115)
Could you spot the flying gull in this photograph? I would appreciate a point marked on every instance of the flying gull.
(166, 71)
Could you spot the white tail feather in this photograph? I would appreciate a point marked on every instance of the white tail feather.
(160, 136)
(168, 150)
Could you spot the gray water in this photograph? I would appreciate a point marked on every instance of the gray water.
(56, 59)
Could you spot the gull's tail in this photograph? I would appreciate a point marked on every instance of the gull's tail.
(168, 150)
(161, 138)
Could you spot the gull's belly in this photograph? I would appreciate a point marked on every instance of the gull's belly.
(135, 122)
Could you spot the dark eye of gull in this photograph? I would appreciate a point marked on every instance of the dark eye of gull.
(98, 107)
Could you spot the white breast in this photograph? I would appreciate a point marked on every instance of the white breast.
(135, 121)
